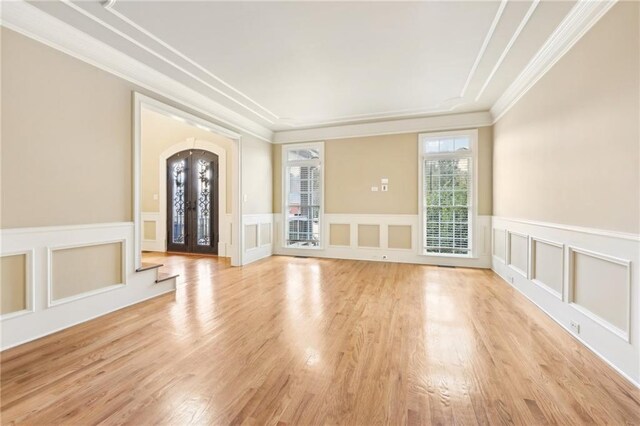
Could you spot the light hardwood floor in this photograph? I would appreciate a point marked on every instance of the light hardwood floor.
(308, 341)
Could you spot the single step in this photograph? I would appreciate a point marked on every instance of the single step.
(148, 266)
(165, 277)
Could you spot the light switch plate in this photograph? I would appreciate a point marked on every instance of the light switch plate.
(384, 180)
(385, 188)
(374, 189)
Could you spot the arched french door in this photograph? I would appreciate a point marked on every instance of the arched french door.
(192, 202)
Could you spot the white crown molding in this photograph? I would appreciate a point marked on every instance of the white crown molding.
(577, 22)
(411, 125)
(507, 49)
(38, 25)
(485, 44)
(178, 53)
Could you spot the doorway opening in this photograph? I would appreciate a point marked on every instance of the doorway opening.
(193, 198)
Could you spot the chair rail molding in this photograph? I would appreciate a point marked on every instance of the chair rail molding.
(43, 317)
(607, 327)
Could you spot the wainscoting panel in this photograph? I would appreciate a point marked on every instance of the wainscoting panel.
(257, 236)
(585, 279)
(518, 252)
(154, 235)
(547, 265)
(392, 238)
(83, 270)
(499, 244)
(600, 286)
(369, 236)
(340, 234)
(91, 283)
(17, 284)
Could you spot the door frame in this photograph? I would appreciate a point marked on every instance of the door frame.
(141, 101)
(224, 222)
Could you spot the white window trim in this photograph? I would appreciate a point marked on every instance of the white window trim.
(285, 191)
(472, 134)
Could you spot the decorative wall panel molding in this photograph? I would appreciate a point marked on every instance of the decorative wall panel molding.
(384, 252)
(598, 298)
(255, 230)
(48, 318)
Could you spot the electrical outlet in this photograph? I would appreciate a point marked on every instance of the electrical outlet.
(384, 257)
(575, 326)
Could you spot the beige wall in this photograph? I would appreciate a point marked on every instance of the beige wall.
(257, 176)
(13, 284)
(568, 152)
(66, 139)
(160, 132)
(82, 269)
(354, 165)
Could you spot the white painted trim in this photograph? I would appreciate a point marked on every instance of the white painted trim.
(32, 22)
(578, 21)
(47, 319)
(623, 334)
(505, 52)
(285, 189)
(572, 228)
(473, 153)
(62, 228)
(30, 288)
(377, 253)
(55, 330)
(152, 52)
(156, 244)
(589, 346)
(262, 249)
(123, 278)
(196, 144)
(524, 273)
(608, 342)
(483, 48)
(532, 263)
(493, 255)
(141, 101)
(390, 127)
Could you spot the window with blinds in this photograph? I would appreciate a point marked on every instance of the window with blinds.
(447, 189)
(303, 196)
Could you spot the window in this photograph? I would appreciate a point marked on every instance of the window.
(447, 192)
(302, 180)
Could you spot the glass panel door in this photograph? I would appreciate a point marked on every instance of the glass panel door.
(192, 202)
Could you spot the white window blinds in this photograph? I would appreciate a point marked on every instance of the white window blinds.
(303, 201)
(447, 195)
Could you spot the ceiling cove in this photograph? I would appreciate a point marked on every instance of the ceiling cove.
(510, 54)
(257, 110)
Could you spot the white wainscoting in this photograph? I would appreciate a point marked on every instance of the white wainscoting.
(262, 244)
(482, 241)
(159, 242)
(580, 275)
(43, 319)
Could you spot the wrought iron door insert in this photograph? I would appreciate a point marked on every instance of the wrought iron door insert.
(192, 202)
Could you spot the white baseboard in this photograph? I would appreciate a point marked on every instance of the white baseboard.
(44, 319)
(619, 347)
(384, 253)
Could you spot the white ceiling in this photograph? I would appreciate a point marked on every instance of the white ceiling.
(289, 65)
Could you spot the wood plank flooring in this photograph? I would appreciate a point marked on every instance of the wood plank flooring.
(306, 341)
